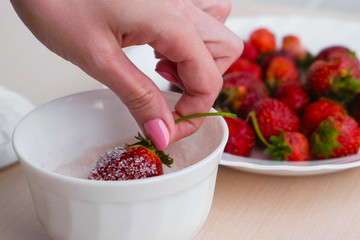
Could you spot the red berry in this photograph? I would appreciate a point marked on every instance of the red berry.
(337, 136)
(294, 95)
(274, 116)
(140, 160)
(338, 77)
(281, 70)
(249, 52)
(241, 137)
(263, 40)
(247, 66)
(326, 52)
(318, 77)
(290, 146)
(240, 92)
(317, 112)
(293, 45)
(265, 59)
(346, 63)
(299, 145)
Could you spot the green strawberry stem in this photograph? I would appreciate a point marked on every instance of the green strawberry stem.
(252, 115)
(165, 158)
(223, 114)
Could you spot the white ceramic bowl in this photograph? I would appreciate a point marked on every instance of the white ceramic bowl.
(171, 206)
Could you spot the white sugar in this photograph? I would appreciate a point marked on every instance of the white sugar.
(81, 167)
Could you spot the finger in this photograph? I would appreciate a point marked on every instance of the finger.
(158, 55)
(197, 70)
(223, 44)
(107, 63)
(168, 70)
(219, 9)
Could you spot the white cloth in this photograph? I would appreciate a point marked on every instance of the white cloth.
(13, 107)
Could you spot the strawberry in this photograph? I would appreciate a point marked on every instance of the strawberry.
(139, 160)
(281, 70)
(337, 136)
(265, 58)
(275, 116)
(317, 112)
(347, 61)
(292, 45)
(325, 52)
(300, 146)
(349, 64)
(240, 92)
(247, 66)
(293, 94)
(263, 40)
(291, 146)
(241, 137)
(319, 77)
(249, 52)
(338, 77)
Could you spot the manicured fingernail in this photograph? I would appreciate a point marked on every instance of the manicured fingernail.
(168, 76)
(158, 133)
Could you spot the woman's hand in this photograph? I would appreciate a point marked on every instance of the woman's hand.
(194, 45)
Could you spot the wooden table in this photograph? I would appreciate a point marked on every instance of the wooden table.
(245, 206)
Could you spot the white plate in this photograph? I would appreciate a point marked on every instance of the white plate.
(315, 34)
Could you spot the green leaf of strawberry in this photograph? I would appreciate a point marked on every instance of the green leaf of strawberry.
(279, 148)
(324, 139)
(147, 143)
(346, 86)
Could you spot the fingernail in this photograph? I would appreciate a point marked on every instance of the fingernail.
(168, 76)
(158, 133)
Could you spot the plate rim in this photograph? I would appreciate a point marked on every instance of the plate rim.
(284, 167)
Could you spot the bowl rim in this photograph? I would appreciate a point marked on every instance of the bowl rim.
(90, 183)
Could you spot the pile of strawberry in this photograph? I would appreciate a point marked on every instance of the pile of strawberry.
(294, 105)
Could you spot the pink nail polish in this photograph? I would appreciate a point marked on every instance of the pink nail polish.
(168, 76)
(158, 133)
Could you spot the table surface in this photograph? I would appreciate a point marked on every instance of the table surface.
(245, 205)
